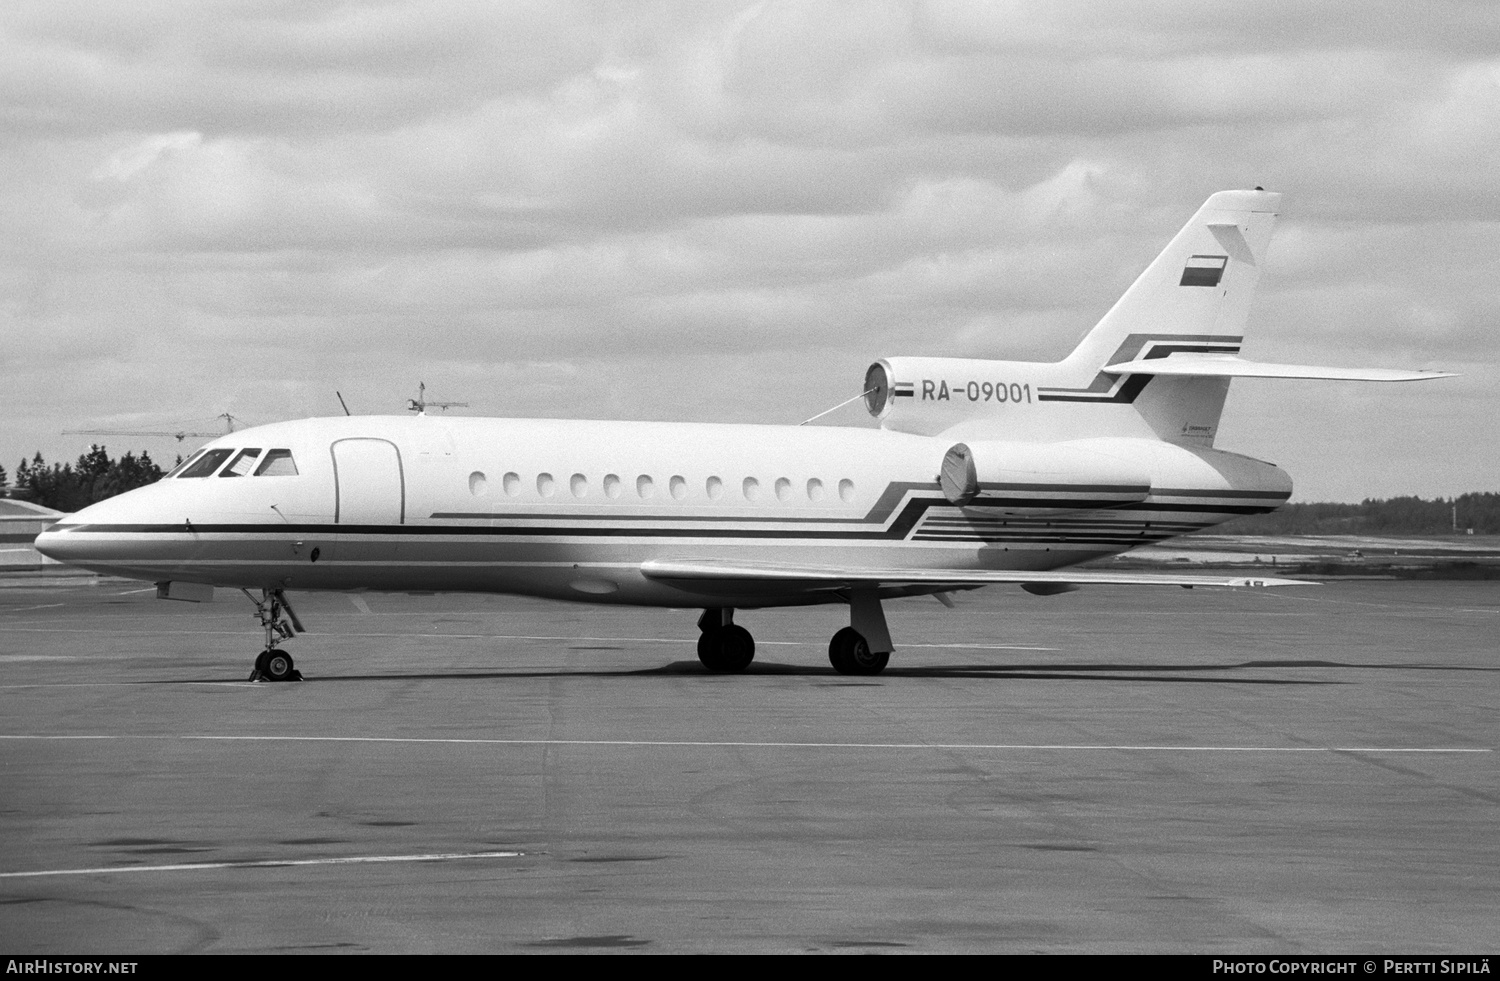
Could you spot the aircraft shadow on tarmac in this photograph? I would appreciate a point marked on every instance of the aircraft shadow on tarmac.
(1193, 673)
(1216, 674)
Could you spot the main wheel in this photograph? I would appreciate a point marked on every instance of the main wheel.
(850, 653)
(726, 649)
(278, 666)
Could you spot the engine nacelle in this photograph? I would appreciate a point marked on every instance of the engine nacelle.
(1039, 478)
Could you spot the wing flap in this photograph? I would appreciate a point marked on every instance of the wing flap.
(1230, 366)
(708, 574)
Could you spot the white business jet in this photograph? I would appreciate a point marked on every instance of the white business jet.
(981, 472)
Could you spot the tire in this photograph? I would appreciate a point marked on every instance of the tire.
(726, 650)
(850, 653)
(738, 648)
(278, 666)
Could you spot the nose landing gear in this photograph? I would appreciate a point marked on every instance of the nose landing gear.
(280, 623)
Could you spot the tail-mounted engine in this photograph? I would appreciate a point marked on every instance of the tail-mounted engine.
(929, 395)
(1038, 479)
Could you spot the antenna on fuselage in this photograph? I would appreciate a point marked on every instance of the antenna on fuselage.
(342, 402)
(837, 407)
(421, 403)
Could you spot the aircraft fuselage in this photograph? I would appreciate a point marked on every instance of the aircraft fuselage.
(570, 509)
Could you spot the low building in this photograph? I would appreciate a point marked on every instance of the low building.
(20, 523)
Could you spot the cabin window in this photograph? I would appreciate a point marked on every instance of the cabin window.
(846, 490)
(242, 464)
(715, 488)
(643, 486)
(476, 483)
(783, 489)
(544, 485)
(579, 485)
(815, 489)
(751, 488)
(206, 464)
(278, 463)
(512, 484)
(611, 485)
(679, 487)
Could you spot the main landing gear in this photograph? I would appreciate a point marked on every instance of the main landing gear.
(280, 623)
(850, 653)
(862, 648)
(723, 646)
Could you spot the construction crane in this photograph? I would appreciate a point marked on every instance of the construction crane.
(179, 434)
(421, 403)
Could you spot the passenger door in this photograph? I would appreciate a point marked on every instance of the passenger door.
(370, 489)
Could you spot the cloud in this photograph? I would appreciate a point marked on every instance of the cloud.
(671, 198)
(269, 67)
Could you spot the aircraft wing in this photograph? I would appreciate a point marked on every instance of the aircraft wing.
(1230, 366)
(709, 575)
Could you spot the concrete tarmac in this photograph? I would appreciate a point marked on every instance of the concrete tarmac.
(1308, 770)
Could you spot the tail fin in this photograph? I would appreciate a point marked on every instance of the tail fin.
(1158, 364)
(1198, 290)
(1195, 297)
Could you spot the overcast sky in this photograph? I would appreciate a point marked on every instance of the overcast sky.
(724, 211)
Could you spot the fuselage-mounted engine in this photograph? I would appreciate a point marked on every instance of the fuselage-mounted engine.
(1038, 479)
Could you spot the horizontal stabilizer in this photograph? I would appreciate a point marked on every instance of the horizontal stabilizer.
(1230, 366)
(707, 575)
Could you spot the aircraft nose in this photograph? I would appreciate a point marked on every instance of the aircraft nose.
(57, 543)
(117, 536)
(76, 538)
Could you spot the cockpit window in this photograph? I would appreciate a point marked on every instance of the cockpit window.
(278, 463)
(242, 464)
(183, 464)
(205, 464)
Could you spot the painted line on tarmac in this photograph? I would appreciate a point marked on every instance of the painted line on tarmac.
(366, 636)
(270, 863)
(126, 684)
(966, 647)
(1153, 614)
(1408, 608)
(733, 744)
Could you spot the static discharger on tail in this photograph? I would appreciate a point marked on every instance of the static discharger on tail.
(982, 473)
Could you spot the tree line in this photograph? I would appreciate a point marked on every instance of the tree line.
(1394, 516)
(73, 486)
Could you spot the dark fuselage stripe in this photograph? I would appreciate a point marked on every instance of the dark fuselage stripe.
(883, 522)
(903, 525)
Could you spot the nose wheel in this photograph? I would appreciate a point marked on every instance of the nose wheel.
(275, 665)
(280, 623)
